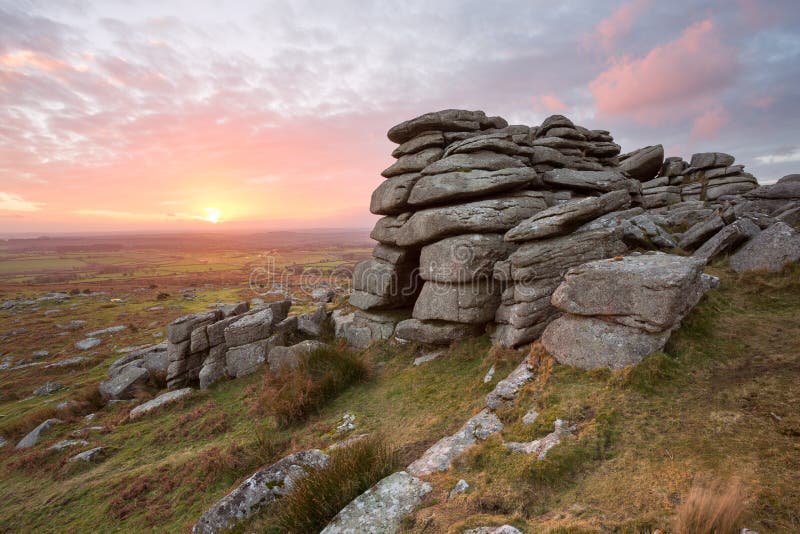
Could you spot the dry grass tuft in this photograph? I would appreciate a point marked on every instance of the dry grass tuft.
(712, 509)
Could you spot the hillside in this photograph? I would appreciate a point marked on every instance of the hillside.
(716, 406)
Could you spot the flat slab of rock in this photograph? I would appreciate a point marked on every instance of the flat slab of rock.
(482, 216)
(603, 181)
(261, 489)
(643, 164)
(562, 218)
(459, 185)
(591, 343)
(771, 250)
(88, 343)
(463, 258)
(448, 120)
(727, 238)
(382, 507)
(649, 291)
(434, 332)
(506, 391)
(441, 455)
(247, 359)
(92, 455)
(412, 163)
(480, 160)
(540, 446)
(32, 438)
(391, 197)
(124, 384)
(250, 328)
(181, 328)
(161, 400)
(504, 529)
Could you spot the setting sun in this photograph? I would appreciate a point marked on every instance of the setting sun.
(212, 215)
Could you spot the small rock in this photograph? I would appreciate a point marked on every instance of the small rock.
(109, 330)
(91, 455)
(68, 443)
(489, 375)
(460, 487)
(530, 417)
(348, 423)
(48, 389)
(540, 447)
(161, 400)
(428, 357)
(66, 363)
(40, 354)
(505, 529)
(88, 343)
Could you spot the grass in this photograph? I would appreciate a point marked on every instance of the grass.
(712, 509)
(317, 498)
(291, 395)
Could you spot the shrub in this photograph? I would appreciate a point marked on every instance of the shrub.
(318, 497)
(713, 509)
(292, 395)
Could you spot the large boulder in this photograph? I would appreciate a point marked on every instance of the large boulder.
(480, 160)
(643, 164)
(413, 163)
(382, 507)
(483, 216)
(459, 185)
(697, 234)
(651, 292)
(592, 343)
(473, 303)
(391, 197)
(361, 329)
(501, 142)
(705, 160)
(32, 438)
(386, 228)
(562, 218)
(380, 285)
(259, 490)
(771, 250)
(250, 328)
(181, 328)
(246, 359)
(727, 238)
(463, 258)
(430, 139)
(291, 357)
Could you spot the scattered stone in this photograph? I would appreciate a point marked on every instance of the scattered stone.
(771, 250)
(40, 354)
(461, 487)
(92, 455)
(48, 389)
(88, 343)
(348, 424)
(505, 529)
(489, 375)
(382, 507)
(258, 491)
(161, 400)
(67, 443)
(540, 447)
(109, 330)
(33, 436)
(125, 384)
(506, 391)
(530, 417)
(441, 455)
(428, 357)
(75, 360)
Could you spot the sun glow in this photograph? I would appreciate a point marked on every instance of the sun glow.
(212, 215)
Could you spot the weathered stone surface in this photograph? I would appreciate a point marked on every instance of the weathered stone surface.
(643, 164)
(542, 155)
(232, 309)
(246, 359)
(649, 291)
(382, 507)
(507, 335)
(591, 343)
(250, 328)
(32, 438)
(472, 303)
(213, 369)
(550, 258)
(504, 529)
(395, 255)
(413, 163)
(463, 258)
(47, 389)
(391, 197)
(484, 216)
(422, 141)
(216, 331)
(92, 455)
(481, 160)
(540, 446)
(386, 229)
(365, 328)
(198, 341)
(158, 402)
(68, 443)
(290, 357)
(771, 250)
(701, 231)
(603, 181)
(459, 185)
(506, 391)
(562, 218)
(181, 328)
(259, 490)
(124, 384)
(705, 160)
(727, 238)
(310, 324)
(441, 455)
(434, 332)
(378, 284)
(88, 343)
(500, 142)
(448, 120)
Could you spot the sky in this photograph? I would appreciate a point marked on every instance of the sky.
(198, 115)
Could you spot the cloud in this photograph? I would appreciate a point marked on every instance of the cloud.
(782, 156)
(12, 202)
(617, 25)
(673, 80)
(708, 125)
(550, 104)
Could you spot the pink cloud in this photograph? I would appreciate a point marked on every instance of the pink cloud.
(550, 104)
(674, 80)
(762, 102)
(619, 23)
(708, 125)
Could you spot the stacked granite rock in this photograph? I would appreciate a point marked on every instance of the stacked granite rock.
(231, 340)
(709, 176)
(461, 181)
